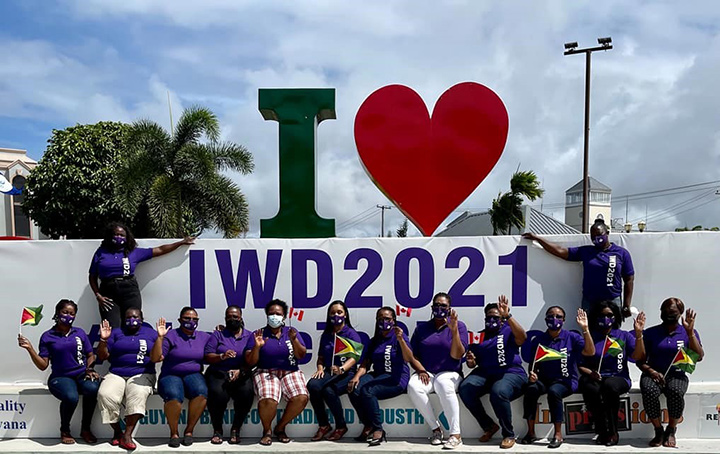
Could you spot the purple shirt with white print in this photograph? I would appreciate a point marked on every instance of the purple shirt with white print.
(130, 353)
(431, 346)
(497, 354)
(386, 358)
(562, 370)
(661, 346)
(277, 353)
(327, 346)
(222, 341)
(183, 354)
(67, 353)
(603, 270)
(613, 364)
(107, 264)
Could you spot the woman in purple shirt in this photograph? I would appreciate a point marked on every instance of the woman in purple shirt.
(608, 272)
(553, 370)
(114, 264)
(68, 351)
(499, 371)
(383, 374)
(131, 378)
(229, 376)
(604, 377)
(182, 351)
(662, 344)
(439, 346)
(276, 350)
(330, 380)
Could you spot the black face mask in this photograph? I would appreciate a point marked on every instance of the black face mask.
(669, 319)
(233, 324)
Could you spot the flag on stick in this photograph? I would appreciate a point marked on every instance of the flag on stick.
(348, 347)
(684, 360)
(31, 315)
(543, 353)
(612, 347)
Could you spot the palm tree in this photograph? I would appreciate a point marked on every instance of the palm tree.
(506, 211)
(179, 181)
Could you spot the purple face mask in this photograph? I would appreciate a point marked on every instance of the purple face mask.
(67, 319)
(605, 322)
(385, 325)
(119, 240)
(132, 322)
(337, 319)
(600, 241)
(190, 325)
(492, 323)
(440, 311)
(554, 323)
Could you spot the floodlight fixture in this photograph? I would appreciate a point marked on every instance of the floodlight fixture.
(605, 41)
(571, 46)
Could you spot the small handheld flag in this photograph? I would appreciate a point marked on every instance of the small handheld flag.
(31, 316)
(613, 347)
(348, 348)
(400, 310)
(684, 360)
(543, 354)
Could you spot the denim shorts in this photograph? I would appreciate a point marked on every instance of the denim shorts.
(173, 387)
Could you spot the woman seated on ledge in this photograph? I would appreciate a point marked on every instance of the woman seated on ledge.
(663, 344)
(68, 351)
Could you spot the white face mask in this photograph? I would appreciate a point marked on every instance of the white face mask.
(275, 321)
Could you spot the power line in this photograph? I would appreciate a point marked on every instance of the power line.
(349, 220)
(359, 221)
(669, 209)
(689, 209)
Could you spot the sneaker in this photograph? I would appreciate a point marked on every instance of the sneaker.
(453, 442)
(436, 438)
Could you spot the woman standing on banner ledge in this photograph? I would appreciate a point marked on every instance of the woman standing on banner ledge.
(671, 351)
(553, 370)
(334, 371)
(439, 347)
(387, 357)
(229, 376)
(114, 263)
(606, 267)
(499, 371)
(68, 351)
(182, 351)
(604, 377)
(276, 350)
(131, 378)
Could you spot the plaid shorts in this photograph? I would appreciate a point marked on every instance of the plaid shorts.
(275, 383)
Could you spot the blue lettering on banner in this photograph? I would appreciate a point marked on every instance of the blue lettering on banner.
(412, 264)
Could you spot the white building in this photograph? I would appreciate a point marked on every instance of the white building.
(15, 165)
(599, 204)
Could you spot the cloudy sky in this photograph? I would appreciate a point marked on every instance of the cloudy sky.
(655, 107)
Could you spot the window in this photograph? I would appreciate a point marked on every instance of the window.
(21, 223)
(600, 197)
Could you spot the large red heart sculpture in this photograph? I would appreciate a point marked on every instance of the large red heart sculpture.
(428, 166)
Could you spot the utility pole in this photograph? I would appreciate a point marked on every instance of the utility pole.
(570, 49)
(382, 218)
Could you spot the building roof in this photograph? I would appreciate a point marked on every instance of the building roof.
(595, 185)
(8, 157)
(478, 224)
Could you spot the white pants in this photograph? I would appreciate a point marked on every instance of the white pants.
(133, 390)
(445, 385)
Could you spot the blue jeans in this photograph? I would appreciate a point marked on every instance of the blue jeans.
(503, 390)
(68, 390)
(173, 387)
(327, 390)
(366, 396)
(556, 392)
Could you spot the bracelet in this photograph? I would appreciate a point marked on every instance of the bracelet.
(586, 331)
(638, 338)
(102, 340)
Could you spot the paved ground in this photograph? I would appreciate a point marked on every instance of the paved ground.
(414, 446)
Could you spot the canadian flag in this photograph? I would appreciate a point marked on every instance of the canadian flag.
(403, 310)
(475, 338)
(297, 313)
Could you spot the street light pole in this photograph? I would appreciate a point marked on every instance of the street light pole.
(571, 49)
(382, 218)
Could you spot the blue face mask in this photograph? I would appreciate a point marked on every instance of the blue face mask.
(492, 323)
(385, 325)
(66, 319)
(119, 240)
(440, 311)
(605, 322)
(132, 322)
(190, 325)
(275, 321)
(337, 319)
(600, 241)
(553, 323)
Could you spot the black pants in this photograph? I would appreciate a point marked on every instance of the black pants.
(676, 384)
(556, 392)
(125, 294)
(220, 391)
(603, 400)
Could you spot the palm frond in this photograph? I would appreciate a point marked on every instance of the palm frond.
(527, 184)
(231, 156)
(165, 207)
(195, 122)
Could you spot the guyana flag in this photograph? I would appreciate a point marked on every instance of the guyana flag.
(31, 315)
(348, 348)
(685, 360)
(612, 346)
(547, 354)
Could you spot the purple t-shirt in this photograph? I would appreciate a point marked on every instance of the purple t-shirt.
(222, 341)
(661, 346)
(67, 353)
(602, 270)
(277, 353)
(106, 264)
(327, 344)
(386, 358)
(432, 346)
(563, 370)
(612, 365)
(183, 354)
(130, 354)
(497, 355)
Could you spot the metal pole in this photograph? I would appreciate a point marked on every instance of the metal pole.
(382, 218)
(586, 181)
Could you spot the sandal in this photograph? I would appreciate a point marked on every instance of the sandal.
(216, 438)
(281, 436)
(657, 440)
(130, 445)
(528, 439)
(66, 438)
(88, 437)
(337, 434)
(321, 432)
(234, 437)
(669, 437)
(266, 439)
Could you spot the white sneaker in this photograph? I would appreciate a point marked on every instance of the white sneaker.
(453, 442)
(436, 438)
